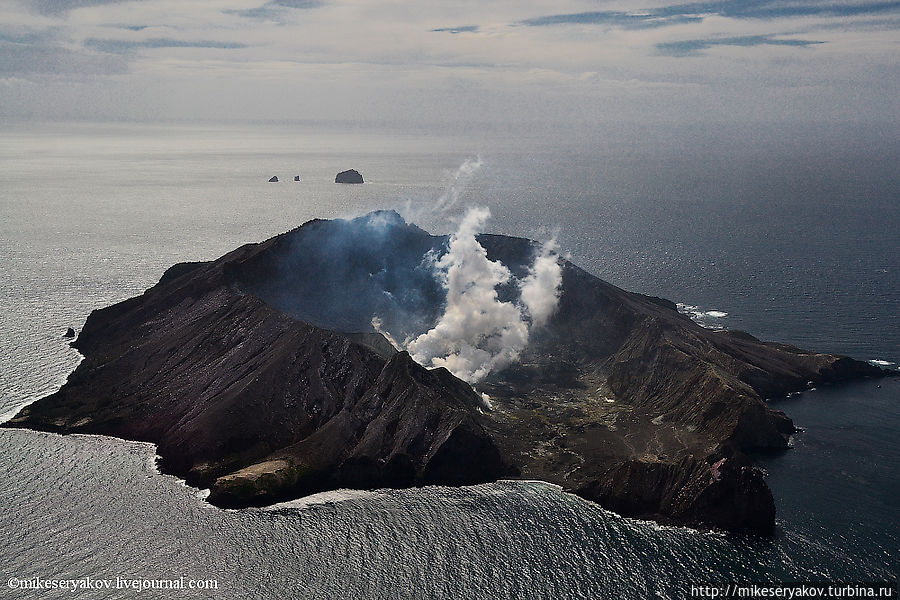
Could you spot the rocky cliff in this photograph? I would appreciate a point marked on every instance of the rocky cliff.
(260, 377)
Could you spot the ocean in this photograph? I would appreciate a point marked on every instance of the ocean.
(785, 236)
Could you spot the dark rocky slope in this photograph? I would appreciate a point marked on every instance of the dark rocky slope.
(619, 398)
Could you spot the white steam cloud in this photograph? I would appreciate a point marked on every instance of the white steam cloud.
(378, 326)
(540, 290)
(478, 333)
(459, 181)
(456, 184)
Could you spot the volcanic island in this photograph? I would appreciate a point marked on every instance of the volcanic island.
(263, 377)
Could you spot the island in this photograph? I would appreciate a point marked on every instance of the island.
(273, 179)
(350, 176)
(262, 377)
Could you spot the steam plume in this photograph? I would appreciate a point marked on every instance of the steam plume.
(378, 326)
(478, 333)
(458, 182)
(540, 290)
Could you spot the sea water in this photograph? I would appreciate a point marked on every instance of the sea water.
(800, 250)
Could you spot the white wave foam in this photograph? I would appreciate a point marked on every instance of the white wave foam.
(153, 462)
(330, 497)
(11, 413)
(710, 319)
(554, 486)
(881, 363)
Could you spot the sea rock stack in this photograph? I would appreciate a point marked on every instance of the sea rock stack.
(351, 176)
(296, 178)
(274, 179)
(70, 333)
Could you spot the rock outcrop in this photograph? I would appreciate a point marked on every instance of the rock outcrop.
(274, 179)
(258, 376)
(351, 176)
(70, 333)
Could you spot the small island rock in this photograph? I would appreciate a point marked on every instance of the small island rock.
(351, 176)
(70, 333)
(274, 179)
(296, 178)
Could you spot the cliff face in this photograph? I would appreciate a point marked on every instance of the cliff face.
(229, 368)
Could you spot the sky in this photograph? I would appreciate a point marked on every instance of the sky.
(453, 61)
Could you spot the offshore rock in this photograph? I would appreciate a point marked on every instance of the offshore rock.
(351, 176)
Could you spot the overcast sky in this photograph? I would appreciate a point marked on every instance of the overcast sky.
(451, 60)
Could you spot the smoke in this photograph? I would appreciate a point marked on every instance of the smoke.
(478, 333)
(378, 326)
(456, 184)
(540, 289)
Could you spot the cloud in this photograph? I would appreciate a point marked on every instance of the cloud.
(56, 7)
(42, 60)
(460, 29)
(777, 9)
(130, 27)
(504, 61)
(274, 9)
(297, 3)
(41, 52)
(122, 46)
(613, 18)
(29, 38)
(698, 11)
(694, 47)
